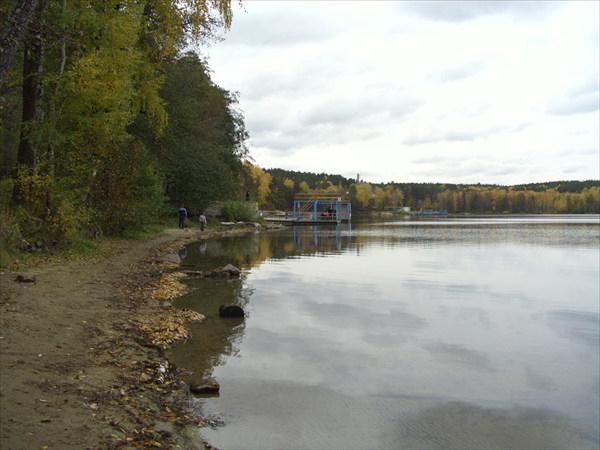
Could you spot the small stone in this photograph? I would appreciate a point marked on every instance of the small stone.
(23, 278)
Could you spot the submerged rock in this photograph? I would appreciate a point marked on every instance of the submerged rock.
(209, 387)
(230, 311)
(232, 270)
(229, 271)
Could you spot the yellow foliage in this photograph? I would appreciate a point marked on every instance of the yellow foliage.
(261, 180)
(364, 194)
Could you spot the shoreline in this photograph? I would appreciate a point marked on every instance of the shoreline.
(77, 362)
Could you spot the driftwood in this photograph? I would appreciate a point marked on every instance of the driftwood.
(196, 273)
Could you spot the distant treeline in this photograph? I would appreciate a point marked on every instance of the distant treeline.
(551, 197)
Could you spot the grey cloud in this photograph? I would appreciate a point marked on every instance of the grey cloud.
(574, 168)
(278, 27)
(569, 153)
(577, 102)
(468, 167)
(436, 159)
(345, 111)
(279, 83)
(329, 121)
(462, 135)
(458, 11)
(332, 113)
(449, 74)
(277, 141)
(292, 139)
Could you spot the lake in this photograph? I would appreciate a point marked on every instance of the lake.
(438, 333)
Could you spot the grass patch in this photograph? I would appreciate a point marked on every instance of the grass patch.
(77, 249)
(147, 231)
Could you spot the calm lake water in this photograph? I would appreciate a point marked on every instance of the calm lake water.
(449, 333)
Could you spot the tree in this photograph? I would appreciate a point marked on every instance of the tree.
(15, 28)
(94, 124)
(201, 148)
(260, 182)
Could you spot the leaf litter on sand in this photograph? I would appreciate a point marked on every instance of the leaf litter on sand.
(152, 392)
(151, 286)
(168, 325)
(164, 331)
(169, 287)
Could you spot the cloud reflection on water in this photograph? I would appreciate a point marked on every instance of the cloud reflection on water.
(498, 325)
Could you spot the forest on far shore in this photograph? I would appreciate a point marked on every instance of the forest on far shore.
(557, 197)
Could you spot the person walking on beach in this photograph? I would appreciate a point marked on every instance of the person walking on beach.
(182, 216)
(202, 220)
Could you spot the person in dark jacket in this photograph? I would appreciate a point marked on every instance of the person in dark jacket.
(182, 216)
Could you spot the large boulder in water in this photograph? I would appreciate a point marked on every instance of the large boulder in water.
(230, 311)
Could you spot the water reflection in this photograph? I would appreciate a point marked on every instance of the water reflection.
(224, 336)
(386, 336)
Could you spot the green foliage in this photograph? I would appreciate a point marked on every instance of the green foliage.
(127, 192)
(6, 189)
(201, 148)
(10, 236)
(234, 211)
(115, 128)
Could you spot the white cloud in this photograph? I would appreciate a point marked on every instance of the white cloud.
(508, 90)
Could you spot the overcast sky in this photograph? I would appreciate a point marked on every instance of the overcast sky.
(469, 91)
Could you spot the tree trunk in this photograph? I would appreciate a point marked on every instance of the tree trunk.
(13, 33)
(32, 60)
(32, 67)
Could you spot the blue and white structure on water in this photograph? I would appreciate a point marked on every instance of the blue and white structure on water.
(321, 208)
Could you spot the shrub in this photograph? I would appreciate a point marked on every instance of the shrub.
(46, 215)
(239, 211)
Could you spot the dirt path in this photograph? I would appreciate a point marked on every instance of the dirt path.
(74, 370)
